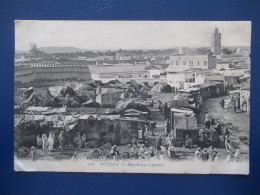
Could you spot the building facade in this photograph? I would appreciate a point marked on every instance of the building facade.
(184, 79)
(185, 62)
(216, 42)
(123, 73)
(31, 72)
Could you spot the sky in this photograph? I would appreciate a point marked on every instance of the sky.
(114, 35)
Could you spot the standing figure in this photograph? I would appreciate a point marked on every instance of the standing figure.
(217, 158)
(153, 126)
(134, 141)
(158, 144)
(207, 121)
(166, 113)
(147, 129)
(61, 139)
(39, 142)
(212, 154)
(133, 153)
(168, 141)
(160, 106)
(214, 137)
(171, 152)
(161, 154)
(151, 152)
(83, 140)
(225, 133)
(152, 102)
(33, 153)
(167, 127)
(198, 155)
(222, 102)
(77, 140)
(51, 140)
(114, 151)
(235, 106)
(45, 144)
(218, 128)
(205, 155)
(227, 143)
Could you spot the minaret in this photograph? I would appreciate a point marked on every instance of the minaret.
(216, 42)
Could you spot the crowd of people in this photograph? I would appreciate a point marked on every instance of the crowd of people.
(212, 155)
(142, 153)
(47, 142)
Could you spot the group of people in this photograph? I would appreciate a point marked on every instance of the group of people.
(143, 153)
(209, 121)
(214, 137)
(149, 128)
(79, 141)
(46, 143)
(240, 104)
(212, 155)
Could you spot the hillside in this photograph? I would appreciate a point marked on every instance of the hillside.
(51, 50)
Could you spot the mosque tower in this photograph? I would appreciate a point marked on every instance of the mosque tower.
(216, 42)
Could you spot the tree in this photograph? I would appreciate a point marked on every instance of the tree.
(227, 51)
(33, 48)
(203, 51)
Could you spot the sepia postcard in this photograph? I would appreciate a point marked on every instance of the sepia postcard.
(132, 96)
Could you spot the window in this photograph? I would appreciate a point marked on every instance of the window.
(184, 63)
(145, 76)
(205, 63)
(191, 63)
(139, 75)
(198, 63)
(177, 63)
(187, 80)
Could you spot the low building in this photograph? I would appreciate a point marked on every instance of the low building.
(183, 123)
(184, 79)
(155, 72)
(101, 129)
(110, 128)
(185, 62)
(123, 73)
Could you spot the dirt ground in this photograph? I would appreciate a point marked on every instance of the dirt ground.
(240, 122)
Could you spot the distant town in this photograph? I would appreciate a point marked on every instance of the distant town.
(181, 103)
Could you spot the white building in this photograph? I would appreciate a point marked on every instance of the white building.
(184, 79)
(223, 66)
(155, 73)
(123, 73)
(185, 62)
